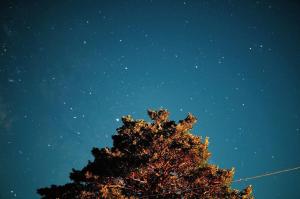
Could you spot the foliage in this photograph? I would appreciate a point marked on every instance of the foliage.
(161, 159)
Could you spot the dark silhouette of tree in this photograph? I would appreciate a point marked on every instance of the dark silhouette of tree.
(161, 159)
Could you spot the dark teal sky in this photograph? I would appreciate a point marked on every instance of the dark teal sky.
(70, 69)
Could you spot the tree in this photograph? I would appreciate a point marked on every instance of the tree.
(161, 159)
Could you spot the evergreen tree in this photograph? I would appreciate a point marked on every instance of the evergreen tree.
(161, 159)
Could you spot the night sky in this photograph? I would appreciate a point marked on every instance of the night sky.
(69, 70)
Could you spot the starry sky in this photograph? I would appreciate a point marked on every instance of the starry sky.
(69, 70)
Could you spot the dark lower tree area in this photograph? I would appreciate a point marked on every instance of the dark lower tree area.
(161, 159)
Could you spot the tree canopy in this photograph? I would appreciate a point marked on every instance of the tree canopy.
(161, 159)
